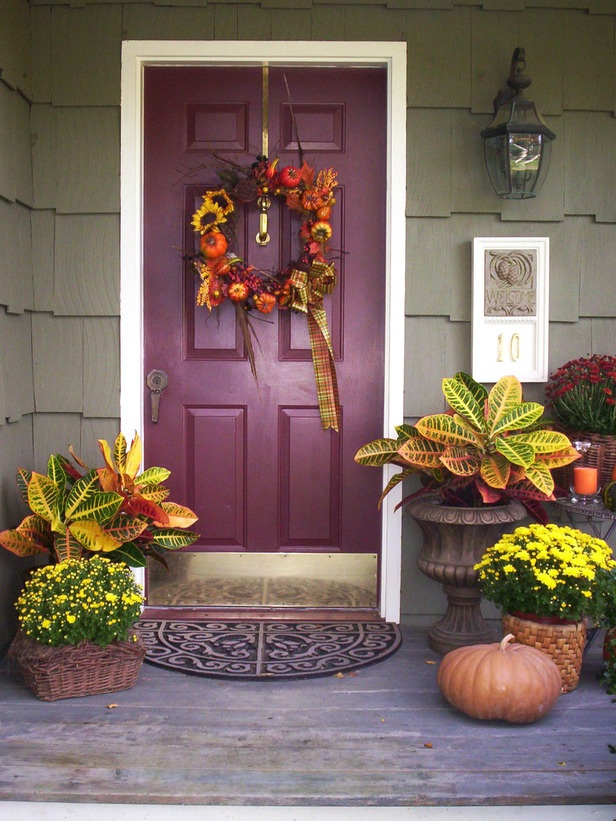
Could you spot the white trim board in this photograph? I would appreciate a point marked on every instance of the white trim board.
(47, 811)
(135, 56)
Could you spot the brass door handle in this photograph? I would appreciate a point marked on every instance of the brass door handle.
(263, 236)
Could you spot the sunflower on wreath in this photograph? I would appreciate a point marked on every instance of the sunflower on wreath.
(300, 286)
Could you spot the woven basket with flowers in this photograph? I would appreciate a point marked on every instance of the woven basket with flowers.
(581, 396)
(75, 636)
(92, 525)
(544, 577)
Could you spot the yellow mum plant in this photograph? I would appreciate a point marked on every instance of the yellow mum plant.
(78, 600)
(544, 570)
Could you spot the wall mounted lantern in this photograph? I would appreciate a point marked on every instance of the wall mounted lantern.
(517, 142)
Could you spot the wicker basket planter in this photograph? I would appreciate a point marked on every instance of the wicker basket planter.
(563, 642)
(73, 671)
(602, 455)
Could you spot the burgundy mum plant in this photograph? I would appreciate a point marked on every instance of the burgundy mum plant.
(581, 394)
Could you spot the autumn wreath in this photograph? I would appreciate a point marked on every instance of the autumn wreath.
(300, 286)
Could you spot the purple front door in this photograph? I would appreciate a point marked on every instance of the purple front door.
(252, 458)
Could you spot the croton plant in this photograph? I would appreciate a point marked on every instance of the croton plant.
(489, 448)
(78, 511)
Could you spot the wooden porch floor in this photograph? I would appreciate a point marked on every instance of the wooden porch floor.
(382, 737)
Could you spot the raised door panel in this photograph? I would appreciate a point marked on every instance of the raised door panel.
(309, 481)
(215, 459)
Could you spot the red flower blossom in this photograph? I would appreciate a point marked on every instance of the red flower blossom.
(580, 394)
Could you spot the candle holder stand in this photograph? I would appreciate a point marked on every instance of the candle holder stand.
(585, 489)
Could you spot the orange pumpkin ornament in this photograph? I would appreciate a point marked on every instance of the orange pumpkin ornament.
(238, 291)
(265, 303)
(512, 682)
(213, 244)
(312, 200)
(321, 231)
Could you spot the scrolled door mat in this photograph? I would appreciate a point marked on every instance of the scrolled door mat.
(266, 649)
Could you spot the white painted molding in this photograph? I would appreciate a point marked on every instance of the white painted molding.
(49, 811)
(135, 56)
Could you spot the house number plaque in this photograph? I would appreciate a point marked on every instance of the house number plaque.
(510, 308)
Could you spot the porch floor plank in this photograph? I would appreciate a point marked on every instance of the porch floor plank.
(383, 736)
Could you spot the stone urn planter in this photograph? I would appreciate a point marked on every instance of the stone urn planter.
(454, 540)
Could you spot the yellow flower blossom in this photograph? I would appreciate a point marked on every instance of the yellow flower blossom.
(204, 220)
(543, 569)
(548, 581)
(53, 608)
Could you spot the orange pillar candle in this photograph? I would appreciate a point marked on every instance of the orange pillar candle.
(585, 480)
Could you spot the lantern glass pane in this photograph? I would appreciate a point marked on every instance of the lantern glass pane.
(517, 164)
(497, 163)
(524, 162)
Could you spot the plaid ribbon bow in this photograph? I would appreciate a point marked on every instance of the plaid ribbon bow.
(308, 289)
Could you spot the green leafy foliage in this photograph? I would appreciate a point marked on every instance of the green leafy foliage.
(608, 680)
(491, 447)
(379, 452)
(79, 511)
(604, 600)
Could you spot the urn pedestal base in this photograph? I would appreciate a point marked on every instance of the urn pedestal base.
(454, 540)
(462, 623)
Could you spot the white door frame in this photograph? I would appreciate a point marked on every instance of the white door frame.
(135, 55)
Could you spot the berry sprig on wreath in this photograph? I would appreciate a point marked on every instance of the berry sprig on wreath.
(300, 286)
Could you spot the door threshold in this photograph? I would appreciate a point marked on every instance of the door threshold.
(262, 614)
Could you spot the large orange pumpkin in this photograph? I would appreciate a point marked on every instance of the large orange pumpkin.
(505, 681)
